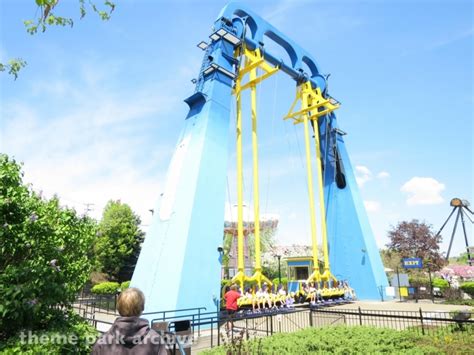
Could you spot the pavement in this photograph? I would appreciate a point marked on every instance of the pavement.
(396, 305)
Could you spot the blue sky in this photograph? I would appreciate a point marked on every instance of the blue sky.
(97, 112)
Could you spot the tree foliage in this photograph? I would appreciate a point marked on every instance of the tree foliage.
(47, 16)
(119, 241)
(45, 252)
(390, 258)
(416, 239)
(459, 260)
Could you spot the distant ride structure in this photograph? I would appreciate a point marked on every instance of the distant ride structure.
(268, 224)
(179, 266)
(462, 207)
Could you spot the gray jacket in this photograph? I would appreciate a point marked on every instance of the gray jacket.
(130, 335)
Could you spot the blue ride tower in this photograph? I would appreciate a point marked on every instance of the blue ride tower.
(179, 265)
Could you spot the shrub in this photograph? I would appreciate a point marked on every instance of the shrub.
(468, 287)
(45, 253)
(69, 326)
(330, 340)
(284, 282)
(106, 288)
(460, 302)
(225, 282)
(441, 283)
(417, 280)
(124, 285)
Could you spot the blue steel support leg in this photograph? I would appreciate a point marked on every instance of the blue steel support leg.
(179, 265)
(353, 251)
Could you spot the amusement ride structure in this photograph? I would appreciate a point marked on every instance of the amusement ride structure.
(179, 265)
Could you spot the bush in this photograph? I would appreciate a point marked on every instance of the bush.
(330, 340)
(284, 282)
(225, 282)
(45, 253)
(441, 283)
(70, 326)
(460, 302)
(124, 285)
(106, 288)
(468, 287)
(418, 280)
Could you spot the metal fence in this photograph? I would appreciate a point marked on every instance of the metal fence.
(210, 329)
(88, 305)
(421, 322)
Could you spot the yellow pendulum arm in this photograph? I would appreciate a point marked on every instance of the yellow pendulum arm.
(315, 275)
(258, 276)
(327, 273)
(240, 203)
(252, 61)
(256, 200)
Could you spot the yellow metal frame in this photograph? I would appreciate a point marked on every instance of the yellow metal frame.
(313, 106)
(253, 60)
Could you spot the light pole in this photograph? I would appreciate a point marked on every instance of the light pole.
(279, 269)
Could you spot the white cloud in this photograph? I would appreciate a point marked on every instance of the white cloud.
(423, 191)
(363, 175)
(383, 175)
(93, 146)
(372, 206)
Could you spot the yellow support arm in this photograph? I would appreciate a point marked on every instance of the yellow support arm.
(258, 275)
(313, 106)
(240, 276)
(309, 172)
(322, 207)
(252, 61)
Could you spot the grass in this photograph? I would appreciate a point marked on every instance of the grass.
(353, 340)
(460, 302)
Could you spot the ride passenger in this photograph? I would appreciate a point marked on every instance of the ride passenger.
(312, 293)
(266, 296)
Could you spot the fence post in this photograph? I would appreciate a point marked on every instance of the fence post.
(360, 316)
(247, 327)
(421, 319)
(212, 331)
(271, 325)
(310, 317)
(199, 320)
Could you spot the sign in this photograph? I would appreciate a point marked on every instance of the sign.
(404, 291)
(412, 263)
(390, 291)
(403, 280)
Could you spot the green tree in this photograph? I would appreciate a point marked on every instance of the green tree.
(227, 246)
(459, 260)
(390, 258)
(45, 253)
(47, 16)
(119, 241)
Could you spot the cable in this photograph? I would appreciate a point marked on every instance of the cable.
(272, 135)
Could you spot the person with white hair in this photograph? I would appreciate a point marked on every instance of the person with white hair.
(130, 334)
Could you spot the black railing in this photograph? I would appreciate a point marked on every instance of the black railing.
(88, 304)
(422, 322)
(256, 325)
(209, 329)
